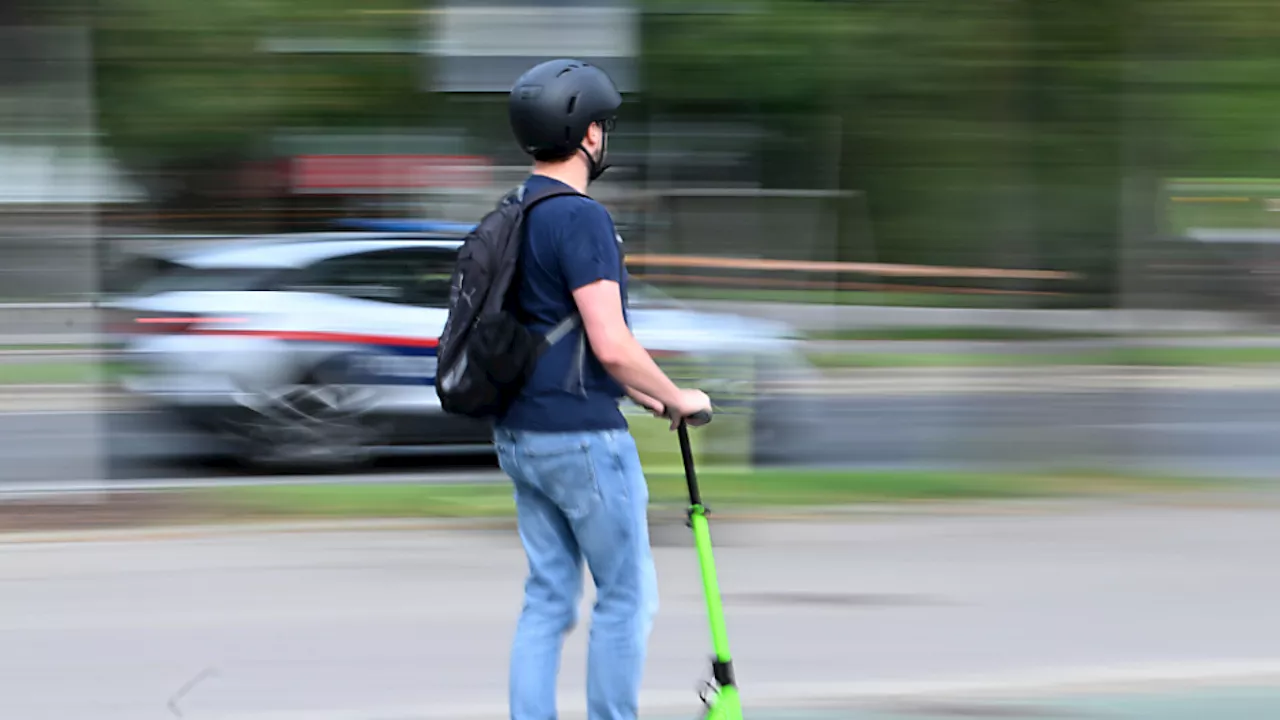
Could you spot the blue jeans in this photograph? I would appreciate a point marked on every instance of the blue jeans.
(579, 496)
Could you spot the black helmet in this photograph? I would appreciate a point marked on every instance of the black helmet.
(554, 103)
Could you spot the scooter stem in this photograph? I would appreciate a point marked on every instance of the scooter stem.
(722, 664)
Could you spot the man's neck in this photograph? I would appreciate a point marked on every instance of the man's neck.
(572, 173)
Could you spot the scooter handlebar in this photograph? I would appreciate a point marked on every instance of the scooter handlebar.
(702, 417)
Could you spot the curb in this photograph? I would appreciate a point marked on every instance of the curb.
(246, 527)
(662, 518)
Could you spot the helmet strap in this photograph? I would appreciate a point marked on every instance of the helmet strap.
(595, 167)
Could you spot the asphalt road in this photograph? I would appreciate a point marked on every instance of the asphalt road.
(67, 447)
(1203, 432)
(415, 623)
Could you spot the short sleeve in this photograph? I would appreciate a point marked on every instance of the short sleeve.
(588, 247)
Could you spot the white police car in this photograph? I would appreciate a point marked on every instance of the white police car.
(320, 349)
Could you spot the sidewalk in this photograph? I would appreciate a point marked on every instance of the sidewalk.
(1234, 703)
(983, 613)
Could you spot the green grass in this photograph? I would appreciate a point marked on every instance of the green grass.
(758, 489)
(955, 333)
(724, 444)
(47, 373)
(60, 372)
(1194, 356)
(833, 360)
(1137, 357)
(74, 372)
(443, 501)
(1245, 215)
(1205, 213)
(52, 348)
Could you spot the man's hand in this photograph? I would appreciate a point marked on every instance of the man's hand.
(691, 401)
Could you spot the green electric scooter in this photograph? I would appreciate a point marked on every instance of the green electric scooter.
(721, 695)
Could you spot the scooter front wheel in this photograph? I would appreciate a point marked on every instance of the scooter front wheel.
(724, 705)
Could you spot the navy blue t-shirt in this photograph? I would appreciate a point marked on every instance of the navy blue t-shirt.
(569, 242)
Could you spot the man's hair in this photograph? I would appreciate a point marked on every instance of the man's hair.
(552, 156)
(562, 155)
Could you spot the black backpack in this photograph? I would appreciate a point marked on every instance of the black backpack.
(485, 354)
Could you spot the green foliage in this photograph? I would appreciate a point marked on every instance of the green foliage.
(987, 132)
(187, 82)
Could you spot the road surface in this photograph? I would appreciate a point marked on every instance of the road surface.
(67, 447)
(414, 623)
(1207, 432)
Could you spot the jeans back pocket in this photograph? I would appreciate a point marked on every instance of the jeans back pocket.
(561, 466)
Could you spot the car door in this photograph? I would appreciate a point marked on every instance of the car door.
(408, 290)
(385, 307)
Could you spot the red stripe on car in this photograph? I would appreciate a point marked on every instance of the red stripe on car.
(336, 337)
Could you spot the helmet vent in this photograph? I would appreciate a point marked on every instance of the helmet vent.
(573, 102)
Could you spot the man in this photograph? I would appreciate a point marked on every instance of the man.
(580, 492)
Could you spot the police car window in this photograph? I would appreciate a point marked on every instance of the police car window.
(184, 278)
(366, 276)
(407, 276)
(432, 270)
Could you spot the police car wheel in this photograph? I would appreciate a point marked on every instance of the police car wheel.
(309, 426)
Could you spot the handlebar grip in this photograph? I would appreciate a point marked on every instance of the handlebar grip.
(702, 417)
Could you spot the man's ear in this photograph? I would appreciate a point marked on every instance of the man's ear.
(595, 134)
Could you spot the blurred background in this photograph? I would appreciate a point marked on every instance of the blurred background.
(917, 250)
(1128, 144)
(932, 200)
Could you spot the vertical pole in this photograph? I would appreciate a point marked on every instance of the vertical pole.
(706, 559)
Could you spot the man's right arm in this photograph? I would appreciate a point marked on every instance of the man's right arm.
(600, 305)
(592, 266)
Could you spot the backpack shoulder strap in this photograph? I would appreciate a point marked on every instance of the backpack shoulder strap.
(574, 320)
(537, 197)
(561, 329)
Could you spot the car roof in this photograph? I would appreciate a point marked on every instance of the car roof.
(301, 249)
(402, 225)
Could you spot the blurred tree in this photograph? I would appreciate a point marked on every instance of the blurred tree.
(188, 89)
(996, 132)
(985, 132)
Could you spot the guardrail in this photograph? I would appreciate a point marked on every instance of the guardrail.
(756, 282)
(823, 266)
(808, 318)
(757, 267)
